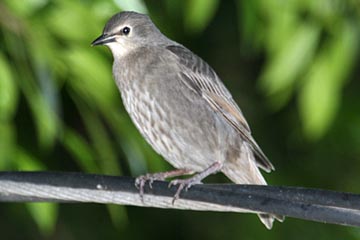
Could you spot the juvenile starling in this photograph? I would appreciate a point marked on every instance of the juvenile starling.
(181, 107)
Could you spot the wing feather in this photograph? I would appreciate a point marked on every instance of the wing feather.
(201, 78)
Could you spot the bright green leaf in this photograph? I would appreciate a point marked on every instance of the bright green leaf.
(320, 95)
(280, 32)
(319, 100)
(26, 162)
(296, 54)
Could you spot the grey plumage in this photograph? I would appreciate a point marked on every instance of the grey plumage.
(180, 105)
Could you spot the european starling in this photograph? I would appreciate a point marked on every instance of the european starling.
(181, 107)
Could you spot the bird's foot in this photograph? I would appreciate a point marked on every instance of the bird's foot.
(196, 179)
(151, 177)
(184, 184)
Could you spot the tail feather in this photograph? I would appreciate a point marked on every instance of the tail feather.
(244, 170)
(268, 219)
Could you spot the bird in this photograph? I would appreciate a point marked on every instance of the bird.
(181, 107)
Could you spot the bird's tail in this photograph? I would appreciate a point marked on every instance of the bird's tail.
(245, 171)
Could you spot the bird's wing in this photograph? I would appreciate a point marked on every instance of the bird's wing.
(202, 79)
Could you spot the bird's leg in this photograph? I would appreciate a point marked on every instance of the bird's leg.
(196, 179)
(151, 177)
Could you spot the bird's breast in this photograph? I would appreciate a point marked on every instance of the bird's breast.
(152, 119)
(176, 121)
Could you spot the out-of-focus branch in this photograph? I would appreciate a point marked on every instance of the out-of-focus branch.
(310, 204)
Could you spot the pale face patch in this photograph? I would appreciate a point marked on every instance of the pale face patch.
(121, 47)
(123, 44)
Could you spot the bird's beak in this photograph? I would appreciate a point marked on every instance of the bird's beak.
(103, 39)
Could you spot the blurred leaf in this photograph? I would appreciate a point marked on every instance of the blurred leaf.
(319, 100)
(174, 8)
(8, 91)
(7, 144)
(101, 141)
(327, 11)
(135, 156)
(248, 21)
(71, 25)
(281, 24)
(45, 215)
(279, 76)
(44, 116)
(355, 232)
(198, 14)
(26, 162)
(80, 150)
(321, 94)
(132, 5)
(47, 87)
(46, 120)
(26, 7)
(93, 77)
(118, 216)
(130, 141)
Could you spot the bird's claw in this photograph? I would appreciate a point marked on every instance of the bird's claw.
(183, 184)
(141, 181)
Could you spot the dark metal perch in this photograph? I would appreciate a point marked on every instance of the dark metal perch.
(304, 203)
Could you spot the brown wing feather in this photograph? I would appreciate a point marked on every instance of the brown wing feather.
(201, 78)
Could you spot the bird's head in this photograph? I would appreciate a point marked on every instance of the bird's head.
(126, 31)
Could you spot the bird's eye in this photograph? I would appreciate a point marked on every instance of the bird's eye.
(126, 30)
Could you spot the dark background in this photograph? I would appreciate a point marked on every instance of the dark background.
(292, 66)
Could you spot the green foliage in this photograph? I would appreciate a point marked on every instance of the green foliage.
(79, 149)
(60, 109)
(8, 91)
(198, 14)
(320, 95)
(44, 214)
(311, 48)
